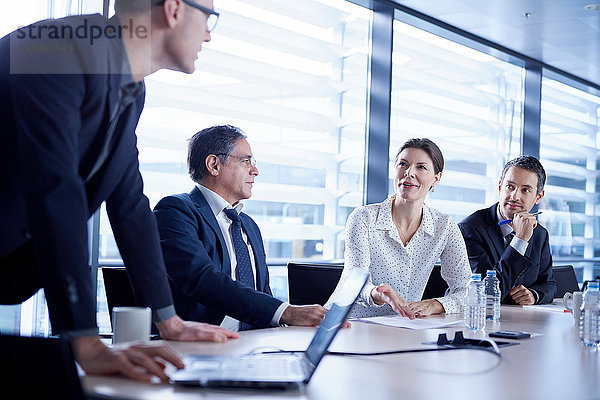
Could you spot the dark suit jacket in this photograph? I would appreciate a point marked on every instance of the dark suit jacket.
(53, 129)
(486, 249)
(198, 264)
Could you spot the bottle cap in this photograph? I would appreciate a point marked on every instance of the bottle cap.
(476, 277)
(491, 272)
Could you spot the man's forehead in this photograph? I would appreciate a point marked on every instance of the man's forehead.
(242, 147)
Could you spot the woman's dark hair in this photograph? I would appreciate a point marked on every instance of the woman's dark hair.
(218, 140)
(428, 147)
(531, 164)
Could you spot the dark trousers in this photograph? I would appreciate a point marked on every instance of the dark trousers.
(20, 278)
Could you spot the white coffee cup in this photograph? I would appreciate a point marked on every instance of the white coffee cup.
(576, 298)
(131, 324)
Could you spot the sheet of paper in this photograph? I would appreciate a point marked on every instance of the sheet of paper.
(417, 323)
(557, 308)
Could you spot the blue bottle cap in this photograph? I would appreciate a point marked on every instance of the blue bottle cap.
(491, 272)
(476, 277)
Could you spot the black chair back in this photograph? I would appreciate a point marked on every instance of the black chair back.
(566, 280)
(119, 291)
(312, 283)
(436, 285)
(35, 367)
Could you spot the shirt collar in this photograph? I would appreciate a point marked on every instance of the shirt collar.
(385, 222)
(216, 202)
(506, 228)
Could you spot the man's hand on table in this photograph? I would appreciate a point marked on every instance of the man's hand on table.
(143, 360)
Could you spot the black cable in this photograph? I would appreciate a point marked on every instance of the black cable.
(459, 343)
(382, 353)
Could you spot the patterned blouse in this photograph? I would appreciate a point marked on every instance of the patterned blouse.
(373, 243)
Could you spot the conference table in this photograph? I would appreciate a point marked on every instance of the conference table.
(552, 364)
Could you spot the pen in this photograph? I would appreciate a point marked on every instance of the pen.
(508, 221)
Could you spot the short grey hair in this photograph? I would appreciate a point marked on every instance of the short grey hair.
(218, 140)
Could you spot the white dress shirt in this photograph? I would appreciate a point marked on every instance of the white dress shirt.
(217, 204)
(373, 243)
(516, 243)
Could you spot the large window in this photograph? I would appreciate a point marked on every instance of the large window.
(467, 102)
(293, 76)
(570, 129)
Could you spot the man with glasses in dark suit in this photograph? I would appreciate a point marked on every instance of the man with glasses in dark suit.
(71, 94)
(213, 251)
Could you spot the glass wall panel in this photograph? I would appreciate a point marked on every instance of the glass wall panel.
(468, 103)
(570, 127)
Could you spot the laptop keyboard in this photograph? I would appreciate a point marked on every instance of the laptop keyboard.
(282, 366)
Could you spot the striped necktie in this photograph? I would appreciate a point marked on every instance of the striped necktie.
(508, 238)
(244, 272)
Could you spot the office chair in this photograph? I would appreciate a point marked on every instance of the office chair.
(436, 285)
(119, 290)
(566, 280)
(312, 283)
(35, 367)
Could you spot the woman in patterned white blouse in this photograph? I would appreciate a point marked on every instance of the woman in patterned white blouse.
(400, 240)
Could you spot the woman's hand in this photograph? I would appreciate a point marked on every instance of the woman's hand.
(384, 294)
(425, 307)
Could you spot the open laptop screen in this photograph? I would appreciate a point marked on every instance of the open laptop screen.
(351, 286)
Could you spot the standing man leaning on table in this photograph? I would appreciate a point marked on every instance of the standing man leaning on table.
(71, 93)
(518, 251)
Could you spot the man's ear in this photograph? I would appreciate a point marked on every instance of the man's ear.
(172, 12)
(540, 196)
(213, 165)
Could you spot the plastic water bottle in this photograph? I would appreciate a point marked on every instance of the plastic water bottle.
(492, 295)
(589, 322)
(474, 310)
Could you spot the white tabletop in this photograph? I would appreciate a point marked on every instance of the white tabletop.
(553, 365)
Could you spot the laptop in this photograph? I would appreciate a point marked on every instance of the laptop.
(278, 370)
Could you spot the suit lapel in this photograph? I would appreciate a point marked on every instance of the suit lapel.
(208, 216)
(494, 232)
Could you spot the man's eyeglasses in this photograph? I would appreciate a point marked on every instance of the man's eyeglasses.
(211, 20)
(248, 161)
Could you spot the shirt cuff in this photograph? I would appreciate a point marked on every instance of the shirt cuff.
(371, 302)
(279, 313)
(163, 314)
(536, 295)
(519, 245)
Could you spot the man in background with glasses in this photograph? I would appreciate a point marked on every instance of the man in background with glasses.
(71, 94)
(213, 251)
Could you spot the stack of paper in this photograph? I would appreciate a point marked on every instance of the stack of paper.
(417, 323)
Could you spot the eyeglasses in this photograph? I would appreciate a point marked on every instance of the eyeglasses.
(248, 161)
(211, 20)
